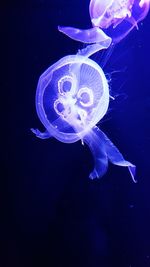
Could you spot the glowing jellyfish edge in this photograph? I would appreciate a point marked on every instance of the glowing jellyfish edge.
(72, 97)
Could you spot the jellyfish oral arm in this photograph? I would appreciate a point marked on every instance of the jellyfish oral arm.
(117, 158)
(93, 35)
(103, 150)
(41, 135)
(98, 150)
(93, 48)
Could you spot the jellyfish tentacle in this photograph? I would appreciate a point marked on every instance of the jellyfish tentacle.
(41, 135)
(98, 150)
(133, 22)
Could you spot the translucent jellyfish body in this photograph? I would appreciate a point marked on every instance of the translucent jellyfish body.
(72, 96)
(110, 18)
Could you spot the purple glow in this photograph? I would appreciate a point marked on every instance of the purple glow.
(72, 97)
(110, 19)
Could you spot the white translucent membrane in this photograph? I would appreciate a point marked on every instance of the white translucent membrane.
(72, 97)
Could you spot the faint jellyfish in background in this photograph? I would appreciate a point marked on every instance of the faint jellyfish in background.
(113, 18)
(72, 97)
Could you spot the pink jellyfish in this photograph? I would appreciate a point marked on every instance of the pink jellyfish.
(110, 19)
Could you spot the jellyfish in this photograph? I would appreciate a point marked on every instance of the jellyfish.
(72, 97)
(110, 18)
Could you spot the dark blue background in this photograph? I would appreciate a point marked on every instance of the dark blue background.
(52, 213)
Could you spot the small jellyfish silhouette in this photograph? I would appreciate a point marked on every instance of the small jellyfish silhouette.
(110, 18)
(72, 97)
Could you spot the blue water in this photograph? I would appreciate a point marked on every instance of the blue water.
(54, 215)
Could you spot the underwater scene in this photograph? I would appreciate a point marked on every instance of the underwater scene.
(76, 179)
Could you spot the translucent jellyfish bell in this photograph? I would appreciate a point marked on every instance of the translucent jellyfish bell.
(72, 96)
(110, 19)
